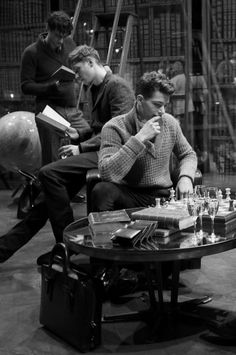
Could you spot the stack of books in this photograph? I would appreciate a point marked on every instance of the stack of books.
(224, 223)
(107, 221)
(174, 217)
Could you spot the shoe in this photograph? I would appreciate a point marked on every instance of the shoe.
(127, 283)
(226, 329)
(217, 340)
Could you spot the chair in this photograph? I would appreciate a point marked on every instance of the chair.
(93, 177)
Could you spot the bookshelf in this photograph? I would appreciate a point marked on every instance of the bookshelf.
(21, 22)
(219, 35)
(158, 36)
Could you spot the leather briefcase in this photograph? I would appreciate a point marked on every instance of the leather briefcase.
(70, 302)
(30, 190)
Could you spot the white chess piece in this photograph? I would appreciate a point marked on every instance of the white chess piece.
(158, 202)
(172, 195)
(228, 192)
(220, 196)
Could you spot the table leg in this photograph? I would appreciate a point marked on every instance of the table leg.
(188, 307)
(175, 283)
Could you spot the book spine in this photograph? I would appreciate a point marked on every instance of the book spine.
(168, 222)
(222, 230)
(221, 219)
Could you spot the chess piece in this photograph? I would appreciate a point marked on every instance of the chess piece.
(228, 192)
(158, 202)
(172, 195)
(220, 196)
(231, 205)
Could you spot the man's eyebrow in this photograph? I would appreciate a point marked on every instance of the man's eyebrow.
(158, 102)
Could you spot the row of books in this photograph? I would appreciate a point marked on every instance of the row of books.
(12, 43)
(223, 15)
(163, 38)
(223, 155)
(10, 82)
(167, 34)
(220, 50)
(23, 12)
(101, 4)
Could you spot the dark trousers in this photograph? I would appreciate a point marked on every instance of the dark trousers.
(23, 231)
(107, 196)
(61, 181)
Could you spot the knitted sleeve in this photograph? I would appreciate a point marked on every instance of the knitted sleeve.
(116, 158)
(185, 154)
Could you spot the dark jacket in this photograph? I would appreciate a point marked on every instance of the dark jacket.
(113, 98)
(38, 63)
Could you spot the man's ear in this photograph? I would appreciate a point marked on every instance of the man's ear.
(90, 62)
(140, 98)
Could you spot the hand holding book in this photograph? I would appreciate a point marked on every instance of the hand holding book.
(63, 74)
(53, 119)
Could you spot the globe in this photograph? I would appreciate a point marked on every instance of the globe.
(19, 142)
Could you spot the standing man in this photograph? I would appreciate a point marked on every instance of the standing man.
(110, 95)
(178, 99)
(39, 61)
(136, 149)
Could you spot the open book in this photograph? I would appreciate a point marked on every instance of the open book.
(53, 119)
(63, 74)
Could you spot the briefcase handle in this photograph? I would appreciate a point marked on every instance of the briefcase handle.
(60, 256)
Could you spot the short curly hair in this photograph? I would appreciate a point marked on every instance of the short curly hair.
(152, 81)
(82, 53)
(61, 22)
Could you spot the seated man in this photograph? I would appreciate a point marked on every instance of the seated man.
(136, 149)
(111, 95)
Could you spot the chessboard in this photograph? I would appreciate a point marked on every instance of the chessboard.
(225, 212)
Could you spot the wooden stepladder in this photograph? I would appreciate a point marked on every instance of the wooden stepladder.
(107, 21)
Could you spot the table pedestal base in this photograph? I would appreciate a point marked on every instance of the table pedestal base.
(160, 310)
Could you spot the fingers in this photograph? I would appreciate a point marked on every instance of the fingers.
(155, 118)
(65, 149)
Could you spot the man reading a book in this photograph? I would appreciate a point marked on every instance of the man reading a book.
(40, 61)
(110, 96)
(136, 148)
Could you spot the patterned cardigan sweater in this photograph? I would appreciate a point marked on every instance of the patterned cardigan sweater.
(123, 159)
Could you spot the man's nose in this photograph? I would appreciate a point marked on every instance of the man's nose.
(161, 110)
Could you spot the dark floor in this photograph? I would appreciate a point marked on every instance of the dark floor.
(21, 333)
